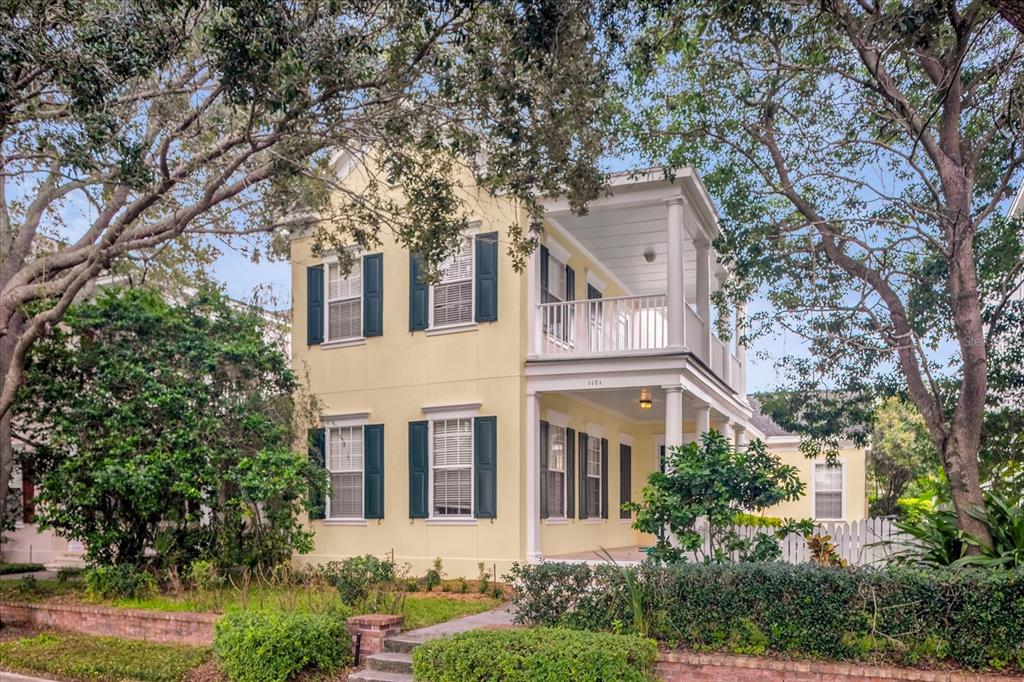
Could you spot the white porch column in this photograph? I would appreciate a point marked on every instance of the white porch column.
(533, 554)
(675, 295)
(533, 325)
(673, 416)
(729, 431)
(703, 419)
(741, 350)
(703, 247)
(741, 437)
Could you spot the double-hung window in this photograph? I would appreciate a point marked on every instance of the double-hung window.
(451, 467)
(451, 301)
(556, 471)
(344, 302)
(828, 491)
(594, 474)
(345, 465)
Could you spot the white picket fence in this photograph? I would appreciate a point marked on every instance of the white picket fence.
(861, 543)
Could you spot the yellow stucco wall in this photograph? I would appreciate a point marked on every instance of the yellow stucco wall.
(394, 376)
(855, 501)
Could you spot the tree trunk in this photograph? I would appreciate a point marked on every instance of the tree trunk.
(1012, 11)
(6, 437)
(961, 464)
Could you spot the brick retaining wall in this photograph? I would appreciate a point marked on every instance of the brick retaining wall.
(682, 666)
(155, 626)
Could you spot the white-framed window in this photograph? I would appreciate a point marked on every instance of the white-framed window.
(594, 474)
(828, 491)
(451, 299)
(345, 465)
(558, 321)
(451, 467)
(556, 471)
(344, 302)
(556, 279)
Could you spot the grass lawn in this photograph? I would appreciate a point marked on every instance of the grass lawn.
(103, 659)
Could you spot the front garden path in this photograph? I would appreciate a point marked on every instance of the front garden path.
(394, 664)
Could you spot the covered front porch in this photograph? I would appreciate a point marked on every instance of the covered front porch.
(623, 556)
(595, 435)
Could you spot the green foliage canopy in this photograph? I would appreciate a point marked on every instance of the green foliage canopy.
(167, 427)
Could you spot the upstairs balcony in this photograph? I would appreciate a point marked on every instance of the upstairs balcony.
(653, 238)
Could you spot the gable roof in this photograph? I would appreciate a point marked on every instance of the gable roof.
(764, 423)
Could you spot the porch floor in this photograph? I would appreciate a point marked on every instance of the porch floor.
(633, 554)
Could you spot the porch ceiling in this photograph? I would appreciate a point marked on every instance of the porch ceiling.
(626, 402)
(633, 218)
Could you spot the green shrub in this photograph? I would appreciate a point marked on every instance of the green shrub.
(972, 618)
(118, 582)
(354, 576)
(274, 646)
(524, 655)
(7, 569)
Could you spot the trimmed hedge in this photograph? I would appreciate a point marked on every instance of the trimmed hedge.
(274, 646)
(525, 655)
(971, 618)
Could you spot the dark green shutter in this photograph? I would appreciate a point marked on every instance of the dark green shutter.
(487, 277)
(661, 458)
(373, 471)
(317, 448)
(543, 450)
(625, 478)
(604, 478)
(544, 274)
(418, 474)
(373, 295)
(419, 295)
(570, 473)
(314, 305)
(570, 284)
(583, 475)
(485, 467)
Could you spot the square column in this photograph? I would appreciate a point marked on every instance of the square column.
(703, 247)
(675, 296)
(533, 554)
(533, 325)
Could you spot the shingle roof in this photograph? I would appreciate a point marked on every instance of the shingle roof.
(762, 422)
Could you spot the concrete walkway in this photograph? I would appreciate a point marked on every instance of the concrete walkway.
(16, 677)
(394, 664)
(38, 575)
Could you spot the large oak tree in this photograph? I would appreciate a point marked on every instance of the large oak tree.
(126, 126)
(859, 151)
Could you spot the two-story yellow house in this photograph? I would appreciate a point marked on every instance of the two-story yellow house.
(498, 416)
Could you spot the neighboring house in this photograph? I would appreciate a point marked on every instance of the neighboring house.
(499, 416)
(27, 542)
(832, 493)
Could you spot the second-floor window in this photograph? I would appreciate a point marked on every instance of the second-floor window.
(451, 467)
(345, 466)
(451, 299)
(344, 302)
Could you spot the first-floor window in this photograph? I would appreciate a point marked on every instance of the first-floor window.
(345, 464)
(452, 467)
(828, 492)
(594, 474)
(556, 471)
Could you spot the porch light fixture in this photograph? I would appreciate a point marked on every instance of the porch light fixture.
(645, 400)
(649, 254)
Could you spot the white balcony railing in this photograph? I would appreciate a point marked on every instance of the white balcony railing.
(604, 325)
(626, 324)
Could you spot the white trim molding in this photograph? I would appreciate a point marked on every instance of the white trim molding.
(347, 419)
(626, 439)
(556, 249)
(595, 430)
(556, 418)
(453, 411)
(594, 280)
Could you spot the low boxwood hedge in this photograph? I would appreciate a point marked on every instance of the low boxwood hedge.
(971, 618)
(525, 655)
(274, 646)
